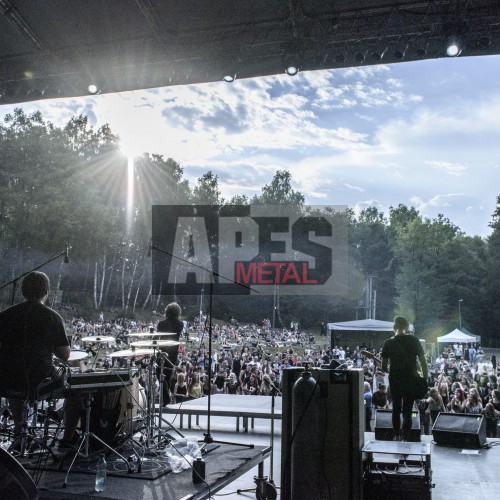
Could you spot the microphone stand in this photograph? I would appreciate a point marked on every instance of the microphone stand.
(207, 436)
(17, 278)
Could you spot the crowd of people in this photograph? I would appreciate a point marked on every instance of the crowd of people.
(250, 359)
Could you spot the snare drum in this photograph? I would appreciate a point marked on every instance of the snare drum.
(76, 357)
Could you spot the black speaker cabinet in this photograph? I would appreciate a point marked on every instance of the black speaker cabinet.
(459, 430)
(329, 464)
(383, 426)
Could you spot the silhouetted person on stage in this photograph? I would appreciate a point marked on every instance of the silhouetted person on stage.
(30, 333)
(171, 324)
(400, 353)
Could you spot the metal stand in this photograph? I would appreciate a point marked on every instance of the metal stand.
(85, 440)
(150, 421)
(265, 488)
(164, 356)
(17, 278)
(207, 437)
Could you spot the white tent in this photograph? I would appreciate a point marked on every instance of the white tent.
(371, 325)
(457, 337)
(371, 332)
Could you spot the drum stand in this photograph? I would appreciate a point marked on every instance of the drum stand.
(85, 440)
(150, 423)
(171, 426)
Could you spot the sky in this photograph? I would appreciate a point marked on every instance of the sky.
(425, 134)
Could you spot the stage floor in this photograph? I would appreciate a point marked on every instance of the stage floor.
(456, 473)
(224, 464)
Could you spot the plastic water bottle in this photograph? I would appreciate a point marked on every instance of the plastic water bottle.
(100, 474)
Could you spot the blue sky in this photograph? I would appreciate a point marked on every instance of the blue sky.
(425, 134)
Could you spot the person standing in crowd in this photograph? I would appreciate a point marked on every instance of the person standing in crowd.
(30, 334)
(399, 357)
(368, 398)
(171, 324)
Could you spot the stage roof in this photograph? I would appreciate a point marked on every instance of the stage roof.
(57, 48)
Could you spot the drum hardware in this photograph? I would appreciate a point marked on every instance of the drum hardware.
(163, 356)
(151, 425)
(84, 440)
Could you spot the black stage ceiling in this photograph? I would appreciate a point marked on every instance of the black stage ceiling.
(56, 48)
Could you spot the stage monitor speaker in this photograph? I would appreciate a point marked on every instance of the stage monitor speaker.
(15, 482)
(383, 426)
(460, 430)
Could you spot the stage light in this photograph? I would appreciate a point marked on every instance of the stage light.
(229, 78)
(93, 89)
(291, 70)
(359, 57)
(377, 55)
(453, 46)
(400, 54)
(421, 52)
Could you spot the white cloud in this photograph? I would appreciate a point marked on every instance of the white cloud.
(408, 133)
(447, 167)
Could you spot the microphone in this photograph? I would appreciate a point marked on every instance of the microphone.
(66, 256)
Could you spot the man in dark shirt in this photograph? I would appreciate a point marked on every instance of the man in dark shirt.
(171, 324)
(400, 353)
(30, 333)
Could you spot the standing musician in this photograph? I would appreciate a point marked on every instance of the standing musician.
(30, 333)
(401, 352)
(171, 324)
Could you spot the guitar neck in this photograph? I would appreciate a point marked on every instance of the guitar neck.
(370, 355)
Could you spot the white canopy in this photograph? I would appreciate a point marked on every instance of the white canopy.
(456, 336)
(372, 325)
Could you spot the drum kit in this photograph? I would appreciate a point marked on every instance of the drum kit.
(137, 402)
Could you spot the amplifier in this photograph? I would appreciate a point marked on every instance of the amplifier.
(381, 485)
(98, 380)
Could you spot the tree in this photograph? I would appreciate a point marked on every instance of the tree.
(371, 249)
(280, 192)
(206, 191)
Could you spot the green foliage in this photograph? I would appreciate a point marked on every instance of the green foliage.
(72, 184)
(280, 192)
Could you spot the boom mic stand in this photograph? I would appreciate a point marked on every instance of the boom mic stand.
(17, 278)
(207, 436)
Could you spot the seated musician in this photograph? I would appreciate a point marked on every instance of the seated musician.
(171, 324)
(30, 334)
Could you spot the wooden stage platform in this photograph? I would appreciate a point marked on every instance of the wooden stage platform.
(226, 405)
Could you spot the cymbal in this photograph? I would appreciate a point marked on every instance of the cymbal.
(155, 343)
(158, 334)
(129, 353)
(98, 339)
(77, 355)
